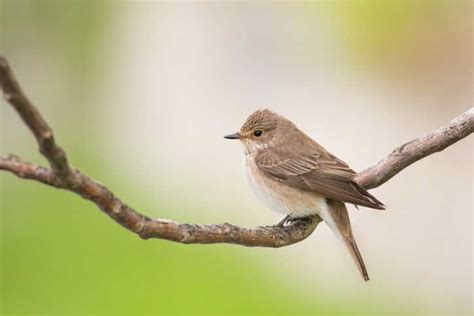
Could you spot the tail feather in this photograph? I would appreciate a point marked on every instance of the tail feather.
(357, 257)
(338, 220)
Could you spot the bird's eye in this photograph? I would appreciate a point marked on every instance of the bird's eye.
(257, 133)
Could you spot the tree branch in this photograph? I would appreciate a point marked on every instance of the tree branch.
(33, 119)
(409, 153)
(62, 175)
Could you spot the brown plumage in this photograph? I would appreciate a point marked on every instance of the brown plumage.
(315, 169)
(339, 213)
(295, 175)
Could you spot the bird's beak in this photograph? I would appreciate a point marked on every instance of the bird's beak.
(233, 136)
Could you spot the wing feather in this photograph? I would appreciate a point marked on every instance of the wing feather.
(317, 171)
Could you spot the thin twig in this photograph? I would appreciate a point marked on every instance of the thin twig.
(62, 176)
(409, 153)
(44, 135)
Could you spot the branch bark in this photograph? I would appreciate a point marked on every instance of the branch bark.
(61, 175)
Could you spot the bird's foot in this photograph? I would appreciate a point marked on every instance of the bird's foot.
(288, 220)
(284, 221)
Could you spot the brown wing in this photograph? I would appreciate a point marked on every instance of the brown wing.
(317, 171)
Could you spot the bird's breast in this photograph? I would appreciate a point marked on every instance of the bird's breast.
(281, 197)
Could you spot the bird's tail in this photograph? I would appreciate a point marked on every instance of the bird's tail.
(338, 220)
(357, 257)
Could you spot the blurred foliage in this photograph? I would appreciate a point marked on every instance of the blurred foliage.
(73, 30)
(409, 36)
(373, 28)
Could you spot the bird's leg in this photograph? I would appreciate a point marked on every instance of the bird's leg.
(304, 219)
(289, 220)
(283, 221)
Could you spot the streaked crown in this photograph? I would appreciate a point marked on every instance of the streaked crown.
(264, 119)
(264, 128)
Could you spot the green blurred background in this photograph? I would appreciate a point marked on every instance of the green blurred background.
(140, 94)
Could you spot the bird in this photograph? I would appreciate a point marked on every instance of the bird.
(294, 175)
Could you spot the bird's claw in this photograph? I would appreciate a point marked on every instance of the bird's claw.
(283, 222)
(288, 220)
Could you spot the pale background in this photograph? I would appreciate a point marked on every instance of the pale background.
(140, 95)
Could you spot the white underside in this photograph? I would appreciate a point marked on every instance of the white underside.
(281, 198)
(286, 200)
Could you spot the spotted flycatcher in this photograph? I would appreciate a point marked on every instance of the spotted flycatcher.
(294, 175)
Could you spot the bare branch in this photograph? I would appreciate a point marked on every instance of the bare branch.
(62, 176)
(27, 170)
(33, 119)
(145, 227)
(409, 153)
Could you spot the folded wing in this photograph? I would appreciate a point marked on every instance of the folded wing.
(317, 171)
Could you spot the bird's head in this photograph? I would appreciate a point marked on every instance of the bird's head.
(263, 129)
